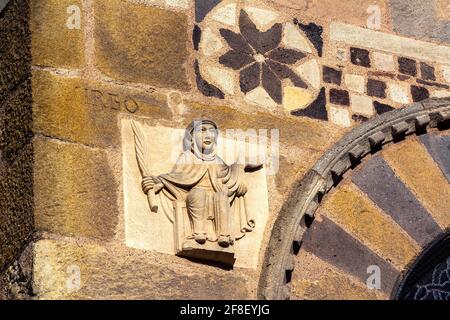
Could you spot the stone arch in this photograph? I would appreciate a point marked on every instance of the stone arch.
(297, 214)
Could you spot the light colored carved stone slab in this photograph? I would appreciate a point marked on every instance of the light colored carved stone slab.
(153, 231)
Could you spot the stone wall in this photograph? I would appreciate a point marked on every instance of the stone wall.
(16, 150)
(311, 70)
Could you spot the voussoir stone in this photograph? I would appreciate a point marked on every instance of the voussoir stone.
(137, 43)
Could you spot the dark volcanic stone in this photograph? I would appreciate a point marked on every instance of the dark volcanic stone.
(331, 75)
(407, 66)
(203, 7)
(250, 77)
(314, 34)
(419, 93)
(272, 84)
(359, 118)
(340, 97)
(379, 182)
(360, 57)
(316, 110)
(287, 56)
(439, 148)
(427, 72)
(196, 36)
(381, 108)
(376, 88)
(262, 42)
(331, 243)
(204, 87)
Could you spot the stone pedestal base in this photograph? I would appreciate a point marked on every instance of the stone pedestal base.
(208, 251)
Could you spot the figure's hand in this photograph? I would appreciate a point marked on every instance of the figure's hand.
(149, 183)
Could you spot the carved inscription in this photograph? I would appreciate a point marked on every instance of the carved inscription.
(109, 100)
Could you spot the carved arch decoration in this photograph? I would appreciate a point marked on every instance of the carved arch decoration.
(297, 214)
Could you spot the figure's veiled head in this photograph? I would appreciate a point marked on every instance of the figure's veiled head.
(201, 138)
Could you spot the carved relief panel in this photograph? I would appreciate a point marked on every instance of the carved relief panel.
(194, 193)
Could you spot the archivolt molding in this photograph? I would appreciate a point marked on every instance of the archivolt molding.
(293, 218)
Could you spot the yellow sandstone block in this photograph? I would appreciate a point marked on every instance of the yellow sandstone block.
(57, 29)
(417, 169)
(315, 279)
(360, 217)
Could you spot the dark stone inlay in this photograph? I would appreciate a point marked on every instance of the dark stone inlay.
(196, 36)
(262, 42)
(203, 7)
(359, 118)
(439, 149)
(376, 88)
(313, 33)
(381, 185)
(204, 87)
(284, 72)
(271, 84)
(331, 75)
(381, 108)
(250, 77)
(236, 41)
(235, 59)
(381, 74)
(287, 56)
(360, 57)
(316, 110)
(427, 72)
(340, 97)
(419, 93)
(407, 66)
(402, 77)
(432, 84)
(331, 243)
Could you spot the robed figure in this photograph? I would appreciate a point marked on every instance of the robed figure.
(212, 192)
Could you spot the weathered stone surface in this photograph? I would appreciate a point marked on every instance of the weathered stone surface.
(439, 147)
(15, 57)
(315, 279)
(415, 167)
(53, 42)
(15, 122)
(77, 110)
(334, 245)
(116, 272)
(75, 191)
(143, 44)
(300, 132)
(16, 206)
(389, 193)
(358, 215)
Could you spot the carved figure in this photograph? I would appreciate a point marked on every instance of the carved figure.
(202, 196)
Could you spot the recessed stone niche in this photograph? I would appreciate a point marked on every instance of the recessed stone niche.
(148, 230)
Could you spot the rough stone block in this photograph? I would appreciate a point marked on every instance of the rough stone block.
(75, 190)
(56, 40)
(87, 112)
(119, 273)
(137, 43)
